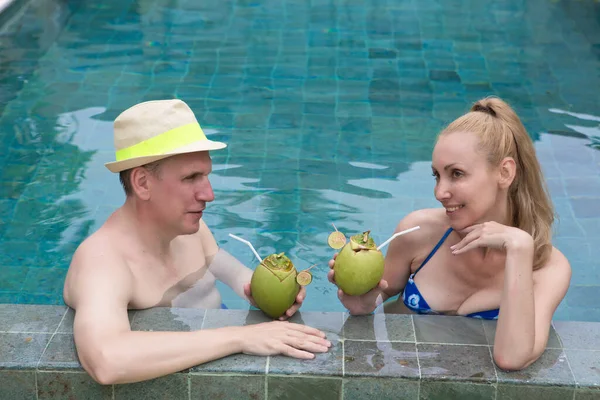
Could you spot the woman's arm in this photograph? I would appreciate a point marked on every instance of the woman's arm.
(527, 306)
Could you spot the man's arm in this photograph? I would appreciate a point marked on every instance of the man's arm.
(223, 265)
(110, 352)
(233, 273)
(230, 271)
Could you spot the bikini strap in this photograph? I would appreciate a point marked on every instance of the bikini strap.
(437, 246)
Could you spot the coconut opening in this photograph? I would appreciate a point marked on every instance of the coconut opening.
(279, 265)
(278, 262)
(362, 242)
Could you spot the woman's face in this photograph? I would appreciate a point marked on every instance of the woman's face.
(466, 184)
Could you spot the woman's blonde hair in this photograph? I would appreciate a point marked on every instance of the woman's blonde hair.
(501, 134)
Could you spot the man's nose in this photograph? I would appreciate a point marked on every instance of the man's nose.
(205, 192)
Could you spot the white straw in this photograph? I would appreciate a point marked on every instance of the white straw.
(394, 236)
(249, 245)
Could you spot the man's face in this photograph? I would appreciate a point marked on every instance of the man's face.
(180, 191)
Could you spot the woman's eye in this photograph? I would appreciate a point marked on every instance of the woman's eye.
(456, 174)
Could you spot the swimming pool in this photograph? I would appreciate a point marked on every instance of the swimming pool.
(330, 109)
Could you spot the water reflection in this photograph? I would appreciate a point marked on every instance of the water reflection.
(385, 347)
(592, 133)
(27, 34)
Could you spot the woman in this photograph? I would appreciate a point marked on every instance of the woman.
(487, 253)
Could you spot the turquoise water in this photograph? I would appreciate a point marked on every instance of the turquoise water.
(330, 109)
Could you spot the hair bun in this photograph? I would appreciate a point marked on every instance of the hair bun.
(484, 108)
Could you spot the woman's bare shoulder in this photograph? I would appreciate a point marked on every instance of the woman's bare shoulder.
(405, 252)
(557, 263)
(432, 224)
(557, 270)
(430, 220)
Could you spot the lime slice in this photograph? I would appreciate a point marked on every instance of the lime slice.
(304, 278)
(336, 240)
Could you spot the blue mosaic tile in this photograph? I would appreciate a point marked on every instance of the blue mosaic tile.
(591, 227)
(9, 297)
(584, 272)
(578, 313)
(573, 248)
(583, 296)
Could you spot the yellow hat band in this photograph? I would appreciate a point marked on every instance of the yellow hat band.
(163, 143)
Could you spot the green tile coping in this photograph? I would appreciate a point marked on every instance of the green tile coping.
(426, 355)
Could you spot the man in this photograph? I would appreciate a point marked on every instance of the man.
(155, 250)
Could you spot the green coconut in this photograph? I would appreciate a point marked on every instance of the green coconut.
(273, 284)
(359, 265)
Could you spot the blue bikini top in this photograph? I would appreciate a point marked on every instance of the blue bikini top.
(415, 301)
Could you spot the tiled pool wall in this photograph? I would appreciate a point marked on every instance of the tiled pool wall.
(381, 356)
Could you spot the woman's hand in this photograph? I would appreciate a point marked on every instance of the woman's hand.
(290, 311)
(493, 235)
(358, 305)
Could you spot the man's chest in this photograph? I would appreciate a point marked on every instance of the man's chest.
(158, 282)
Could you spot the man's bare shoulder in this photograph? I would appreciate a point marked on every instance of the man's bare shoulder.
(97, 258)
(100, 245)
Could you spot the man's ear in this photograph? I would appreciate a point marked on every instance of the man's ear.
(508, 171)
(140, 182)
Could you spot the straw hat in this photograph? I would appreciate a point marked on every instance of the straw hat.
(154, 130)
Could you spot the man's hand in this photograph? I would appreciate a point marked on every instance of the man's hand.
(290, 311)
(278, 337)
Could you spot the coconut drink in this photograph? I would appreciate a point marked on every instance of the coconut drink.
(359, 265)
(275, 282)
(274, 286)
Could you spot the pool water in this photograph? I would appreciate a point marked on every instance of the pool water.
(329, 107)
